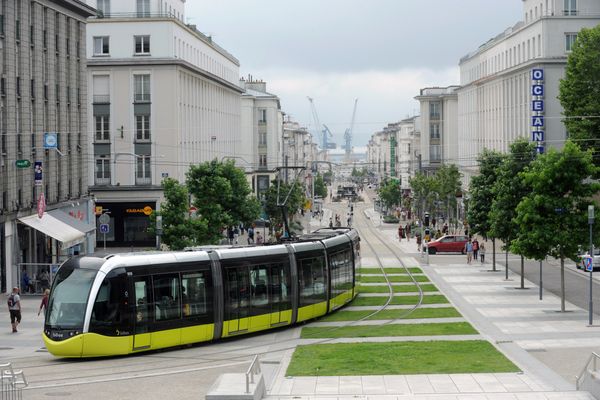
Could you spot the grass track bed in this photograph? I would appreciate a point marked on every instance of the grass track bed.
(398, 358)
(391, 330)
(393, 314)
(401, 278)
(413, 270)
(399, 300)
(397, 289)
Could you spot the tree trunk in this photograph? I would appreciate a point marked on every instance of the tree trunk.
(494, 255)
(562, 284)
(522, 272)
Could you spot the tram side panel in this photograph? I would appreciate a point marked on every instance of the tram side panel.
(312, 280)
(341, 269)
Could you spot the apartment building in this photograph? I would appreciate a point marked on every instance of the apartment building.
(163, 96)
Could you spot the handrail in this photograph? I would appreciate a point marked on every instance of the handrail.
(593, 357)
(253, 369)
(11, 381)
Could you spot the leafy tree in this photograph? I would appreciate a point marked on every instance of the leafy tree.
(508, 191)
(390, 193)
(424, 189)
(222, 196)
(294, 203)
(580, 90)
(176, 229)
(320, 188)
(481, 188)
(552, 217)
(448, 185)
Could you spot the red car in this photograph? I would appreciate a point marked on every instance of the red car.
(448, 244)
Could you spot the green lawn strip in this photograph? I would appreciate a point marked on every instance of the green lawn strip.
(393, 314)
(400, 278)
(437, 329)
(398, 358)
(389, 271)
(399, 300)
(397, 289)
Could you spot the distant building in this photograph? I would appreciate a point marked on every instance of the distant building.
(495, 101)
(409, 142)
(163, 97)
(298, 150)
(43, 142)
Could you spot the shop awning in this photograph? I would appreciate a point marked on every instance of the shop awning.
(74, 222)
(55, 228)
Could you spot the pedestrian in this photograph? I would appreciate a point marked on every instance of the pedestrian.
(44, 279)
(469, 251)
(251, 235)
(407, 231)
(26, 281)
(482, 252)
(330, 222)
(418, 237)
(400, 232)
(445, 228)
(230, 234)
(475, 249)
(259, 238)
(44, 303)
(14, 308)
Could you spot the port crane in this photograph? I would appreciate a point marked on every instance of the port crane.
(348, 134)
(323, 130)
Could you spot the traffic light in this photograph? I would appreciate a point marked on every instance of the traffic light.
(426, 219)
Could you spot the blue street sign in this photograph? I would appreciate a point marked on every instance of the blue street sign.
(50, 140)
(588, 263)
(104, 228)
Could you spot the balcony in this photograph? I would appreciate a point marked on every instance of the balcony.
(101, 99)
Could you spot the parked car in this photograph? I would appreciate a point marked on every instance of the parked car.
(595, 261)
(447, 244)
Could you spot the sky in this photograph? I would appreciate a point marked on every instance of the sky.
(379, 51)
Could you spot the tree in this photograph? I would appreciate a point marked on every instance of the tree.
(552, 217)
(580, 90)
(390, 193)
(481, 188)
(424, 189)
(320, 188)
(294, 203)
(176, 229)
(222, 196)
(448, 185)
(508, 191)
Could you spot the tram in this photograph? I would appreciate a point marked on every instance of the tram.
(124, 304)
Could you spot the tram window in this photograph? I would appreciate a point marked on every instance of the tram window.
(194, 296)
(238, 293)
(312, 281)
(258, 290)
(109, 312)
(166, 297)
(341, 272)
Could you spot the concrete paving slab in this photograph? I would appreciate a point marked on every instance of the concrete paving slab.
(466, 383)
(419, 384)
(350, 385)
(443, 384)
(373, 385)
(327, 385)
(396, 384)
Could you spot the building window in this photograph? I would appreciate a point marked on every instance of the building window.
(434, 110)
(142, 44)
(102, 171)
(435, 153)
(103, 7)
(143, 8)
(142, 88)
(262, 161)
(262, 116)
(102, 128)
(570, 7)
(142, 127)
(142, 174)
(434, 131)
(101, 46)
(262, 139)
(570, 41)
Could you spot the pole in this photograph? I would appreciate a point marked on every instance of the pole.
(506, 268)
(591, 222)
(541, 284)
(104, 234)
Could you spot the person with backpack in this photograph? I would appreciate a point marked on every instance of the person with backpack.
(14, 308)
(251, 235)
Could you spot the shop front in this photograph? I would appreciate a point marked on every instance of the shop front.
(124, 224)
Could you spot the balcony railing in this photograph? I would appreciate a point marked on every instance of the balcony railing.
(101, 99)
(143, 181)
(102, 181)
(140, 14)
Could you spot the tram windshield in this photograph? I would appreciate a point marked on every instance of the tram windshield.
(69, 297)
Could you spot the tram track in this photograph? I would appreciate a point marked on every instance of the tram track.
(197, 362)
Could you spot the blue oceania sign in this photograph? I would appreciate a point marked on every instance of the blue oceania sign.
(538, 107)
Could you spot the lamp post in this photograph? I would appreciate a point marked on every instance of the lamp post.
(591, 223)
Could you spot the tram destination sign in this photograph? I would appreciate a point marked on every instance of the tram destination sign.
(23, 163)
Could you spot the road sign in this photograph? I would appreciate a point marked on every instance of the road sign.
(104, 219)
(104, 228)
(23, 163)
(588, 263)
(41, 205)
(50, 140)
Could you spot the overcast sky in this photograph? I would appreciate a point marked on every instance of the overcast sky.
(379, 51)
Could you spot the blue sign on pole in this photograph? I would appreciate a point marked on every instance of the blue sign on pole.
(104, 228)
(588, 263)
(50, 140)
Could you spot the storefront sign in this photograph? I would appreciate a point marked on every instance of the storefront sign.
(23, 163)
(146, 210)
(37, 173)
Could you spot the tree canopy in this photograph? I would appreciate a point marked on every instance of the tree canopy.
(580, 90)
(320, 188)
(390, 193)
(295, 201)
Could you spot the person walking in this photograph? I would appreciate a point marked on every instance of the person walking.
(469, 251)
(407, 231)
(251, 235)
(44, 279)
(259, 238)
(418, 237)
(14, 308)
(44, 303)
(400, 232)
(475, 249)
(482, 252)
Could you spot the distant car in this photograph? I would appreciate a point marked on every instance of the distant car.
(447, 244)
(595, 261)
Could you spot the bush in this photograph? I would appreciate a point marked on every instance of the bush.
(391, 219)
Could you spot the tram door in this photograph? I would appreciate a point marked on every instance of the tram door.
(238, 287)
(278, 294)
(141, 287)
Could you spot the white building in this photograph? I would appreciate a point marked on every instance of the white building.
(409, 147)
(496, 95)
(298, 150)
(439, 126)
(262, 133)
(163, 96)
